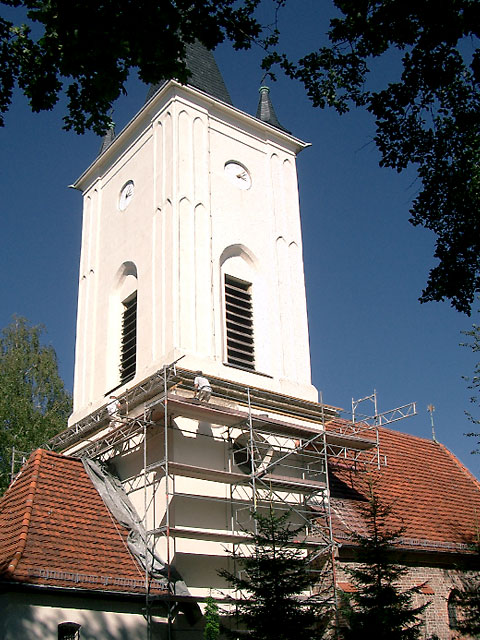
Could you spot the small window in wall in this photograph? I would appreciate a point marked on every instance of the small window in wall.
(452, 609)
(68, 631)
(239, 321)
(128, 354)
(242, 453)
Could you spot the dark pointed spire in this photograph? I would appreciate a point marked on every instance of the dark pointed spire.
(205, 75)
(265, 110)
(108, 138)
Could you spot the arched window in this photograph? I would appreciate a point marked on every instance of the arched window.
(246, 336)
(452, 609)
(68, 631)
(121, 352)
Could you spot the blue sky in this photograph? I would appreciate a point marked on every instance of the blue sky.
(365, 265)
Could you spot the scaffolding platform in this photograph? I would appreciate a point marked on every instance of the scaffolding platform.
(179, 406)
(232, 477)
(276, 452)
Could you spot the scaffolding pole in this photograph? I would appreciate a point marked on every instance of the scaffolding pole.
(287, 445)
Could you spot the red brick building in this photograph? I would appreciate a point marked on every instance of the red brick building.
(437, 502)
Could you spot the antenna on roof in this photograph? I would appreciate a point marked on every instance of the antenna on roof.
(431, 409)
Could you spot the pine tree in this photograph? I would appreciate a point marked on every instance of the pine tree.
(272, 604)
(212, 620)
(467, 601)
(379, 608)
(34, 404)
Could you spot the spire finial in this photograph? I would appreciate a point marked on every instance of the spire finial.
(431, 409)
(265, 110)
(109, 137)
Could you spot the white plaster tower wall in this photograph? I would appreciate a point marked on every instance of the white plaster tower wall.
(253, 225)
(186, 226)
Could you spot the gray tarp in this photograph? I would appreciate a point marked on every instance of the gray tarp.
(114, 496)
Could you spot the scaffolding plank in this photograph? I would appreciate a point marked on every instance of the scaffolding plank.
(228, 536)
(349, 441)
(204, 534)
(202, 473)
(226, 416)
(300, 484)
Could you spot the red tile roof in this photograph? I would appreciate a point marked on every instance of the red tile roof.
(56, 530)
(432, 494)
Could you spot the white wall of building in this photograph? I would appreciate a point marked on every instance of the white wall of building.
(30, 615)
(207, 513)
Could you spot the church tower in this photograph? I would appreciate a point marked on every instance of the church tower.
(192, 260)
(192, 247)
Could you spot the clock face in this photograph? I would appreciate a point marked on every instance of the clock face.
(126, 194)
(238, 175)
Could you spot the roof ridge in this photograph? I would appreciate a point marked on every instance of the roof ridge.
(35, 461)
(460, 464)
(409, 435)
(57, 454)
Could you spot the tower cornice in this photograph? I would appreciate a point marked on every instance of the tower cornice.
(170, 90)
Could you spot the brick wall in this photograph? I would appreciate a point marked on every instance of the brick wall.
(440, 582)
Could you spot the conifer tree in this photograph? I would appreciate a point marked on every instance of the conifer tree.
(34, 404)
(468, 602)
(379, 608)
(271, 587)
(212, 620)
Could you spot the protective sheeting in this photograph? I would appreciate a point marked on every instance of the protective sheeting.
(118, 503)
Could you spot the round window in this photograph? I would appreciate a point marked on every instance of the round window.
(126, 195)
(242, 453)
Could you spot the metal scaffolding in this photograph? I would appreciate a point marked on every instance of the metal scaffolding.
(279, 449)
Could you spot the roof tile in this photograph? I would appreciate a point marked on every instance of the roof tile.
(433, 496)
(56, 529)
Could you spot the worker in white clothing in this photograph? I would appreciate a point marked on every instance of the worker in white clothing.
(203, 390)
(113, 408)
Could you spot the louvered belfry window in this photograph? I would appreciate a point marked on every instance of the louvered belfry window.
(128, 356)
(239, 319)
